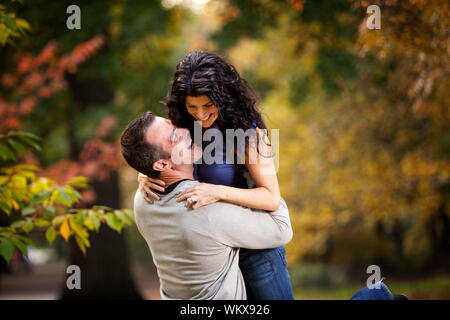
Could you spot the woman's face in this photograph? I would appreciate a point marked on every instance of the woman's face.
(202, 109)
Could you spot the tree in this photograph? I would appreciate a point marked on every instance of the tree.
(11, 27)
(80, 114)
(38, 202)
(362, 123)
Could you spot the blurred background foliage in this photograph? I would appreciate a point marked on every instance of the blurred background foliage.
(363, 114)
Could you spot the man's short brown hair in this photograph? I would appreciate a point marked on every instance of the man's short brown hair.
(137, 151)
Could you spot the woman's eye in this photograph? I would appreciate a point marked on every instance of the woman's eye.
(209, 105)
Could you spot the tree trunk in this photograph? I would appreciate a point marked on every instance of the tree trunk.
(397, 235)
(380, 234)
(445, 236)
(438, 233)
(105, 272)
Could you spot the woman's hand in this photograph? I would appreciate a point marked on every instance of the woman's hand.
(200, 195)
(146, 185)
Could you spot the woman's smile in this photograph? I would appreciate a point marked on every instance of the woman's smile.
(203, 118)
(202, 109)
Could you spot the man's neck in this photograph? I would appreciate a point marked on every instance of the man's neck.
(170, 179)
(173, 181)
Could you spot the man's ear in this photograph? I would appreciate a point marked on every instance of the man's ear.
(162, 165)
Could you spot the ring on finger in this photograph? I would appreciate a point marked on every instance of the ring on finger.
(191, 199)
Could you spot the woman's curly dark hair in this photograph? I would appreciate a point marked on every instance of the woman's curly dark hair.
(205, 73)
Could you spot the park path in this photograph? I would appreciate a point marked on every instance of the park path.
(44, 282)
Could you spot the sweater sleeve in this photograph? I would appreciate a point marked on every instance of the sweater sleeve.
(240, 227)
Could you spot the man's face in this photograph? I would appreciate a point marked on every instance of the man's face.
(173, 140)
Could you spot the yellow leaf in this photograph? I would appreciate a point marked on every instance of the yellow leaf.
(57, 220)
(65, 230)
(88, 223)
(15, 205)
(80, 244)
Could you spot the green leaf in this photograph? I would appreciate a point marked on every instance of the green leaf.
(78, 182)
(26, 240)
(28, 226)
(75, 226)
(41, 197)
(41, 222)
(81, 216)
(77, 195)
(17, 146)
(50, 209)
(21, 30)
(27, 167)
(6, 249)
(27, 211)
(9, 22)
(113, 222)
(5, 207)
(22, 24)
(73, 194)
(130, 213)
(105, 208)
(122, 216)
(51, 234)
(93, 217)
(17, 224)
(27, 134)
(31, 143)
(20, 245)
(6, 153)
(63, 197)
(88, 223)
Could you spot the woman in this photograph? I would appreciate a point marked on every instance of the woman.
(208, 89)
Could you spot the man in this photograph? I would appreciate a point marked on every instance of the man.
(196, 252)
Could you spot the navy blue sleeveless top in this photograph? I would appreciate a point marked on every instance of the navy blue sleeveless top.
(232, 175)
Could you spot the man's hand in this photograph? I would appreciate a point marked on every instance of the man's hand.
(146, 185)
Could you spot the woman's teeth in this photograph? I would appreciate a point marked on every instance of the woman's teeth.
(205, 118)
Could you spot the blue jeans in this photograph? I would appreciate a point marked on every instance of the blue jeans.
(377, 291)
(265, 274)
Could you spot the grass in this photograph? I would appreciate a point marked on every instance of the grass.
(437, 287)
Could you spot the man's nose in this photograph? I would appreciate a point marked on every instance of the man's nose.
(185, 132)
